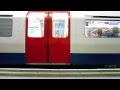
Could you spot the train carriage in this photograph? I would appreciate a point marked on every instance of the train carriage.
(60, 37)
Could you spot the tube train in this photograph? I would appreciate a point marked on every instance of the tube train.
(60, 37)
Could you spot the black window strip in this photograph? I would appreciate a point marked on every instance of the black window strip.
(102, 16)
(6, 15)
(102, 20)
(106, 17)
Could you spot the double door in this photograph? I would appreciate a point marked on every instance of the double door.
(48, 37)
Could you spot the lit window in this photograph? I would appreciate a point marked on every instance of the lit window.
(60, 25)
(36, 25)
(101, 28)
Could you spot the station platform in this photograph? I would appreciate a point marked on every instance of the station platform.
(26, 73)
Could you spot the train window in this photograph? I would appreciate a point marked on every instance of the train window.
(36, 25)
(6, 27)
(101, 28)
(60, 25)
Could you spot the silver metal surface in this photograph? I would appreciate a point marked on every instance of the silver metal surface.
(21, 73)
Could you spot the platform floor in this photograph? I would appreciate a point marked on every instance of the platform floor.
(24, 73)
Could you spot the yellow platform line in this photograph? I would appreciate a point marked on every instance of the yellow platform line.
(58, 73)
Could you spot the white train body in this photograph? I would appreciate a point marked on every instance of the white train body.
(84, 50)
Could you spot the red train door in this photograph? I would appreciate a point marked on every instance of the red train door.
(59, 37)
(48, 37)
(36, 37)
